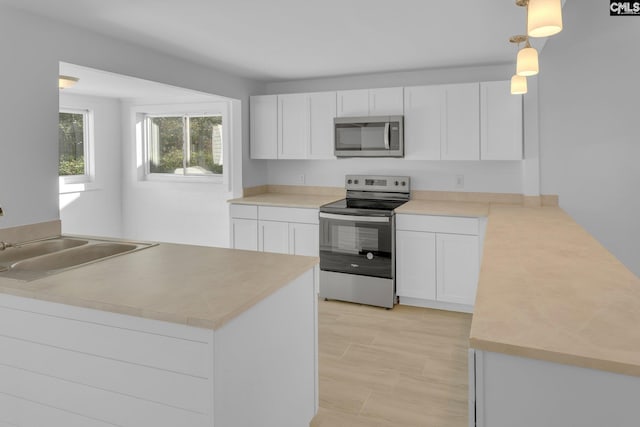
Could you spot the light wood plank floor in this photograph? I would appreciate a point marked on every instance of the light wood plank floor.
(383, 368)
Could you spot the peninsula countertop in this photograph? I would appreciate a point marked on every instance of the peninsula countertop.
(548, 290)
(193, 285)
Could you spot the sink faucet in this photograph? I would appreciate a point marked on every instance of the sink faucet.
(5, 245)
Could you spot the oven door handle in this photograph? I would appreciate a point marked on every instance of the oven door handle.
(357, 218)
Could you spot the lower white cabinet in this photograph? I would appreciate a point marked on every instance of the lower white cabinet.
(292, 231)
(457, 266)
(244, 234)
(438, 259)
(416, 264)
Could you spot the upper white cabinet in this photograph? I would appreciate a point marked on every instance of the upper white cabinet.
(371, 102)
(500, 122)
(422, 127)
(264, 127)
(442, 122)
(293, 126)
(460, 138)
(322, 111)
(293, 134)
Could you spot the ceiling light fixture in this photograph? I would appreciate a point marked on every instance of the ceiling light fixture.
(544, 17)
(66, 81)
(519, 81)
(527, 62)
(518, 85)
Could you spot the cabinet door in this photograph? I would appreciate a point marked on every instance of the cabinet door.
(458, 260)
(353, 103)
(422, 111)
(461, 122)
(273, 236)
(244, 234)
(303, 239)
(386, 101)
(416, 264)
(500, 122)
(264, 127)
(293, 129)
(322, 110)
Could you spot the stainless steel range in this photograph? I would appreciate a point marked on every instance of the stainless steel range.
(357, 241)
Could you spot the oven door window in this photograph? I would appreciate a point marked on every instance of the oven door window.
(356, 247)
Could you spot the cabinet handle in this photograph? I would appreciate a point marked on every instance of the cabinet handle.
(294, 241)
(261, 247)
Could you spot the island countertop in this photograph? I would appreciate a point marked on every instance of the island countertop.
(548, 290)
(193, 285)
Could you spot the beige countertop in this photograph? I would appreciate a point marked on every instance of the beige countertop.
(193, 285)
(447, 208)
(550, 291)
(288, 200)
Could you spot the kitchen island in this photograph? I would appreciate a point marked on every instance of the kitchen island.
(169, 335)
(554, 336)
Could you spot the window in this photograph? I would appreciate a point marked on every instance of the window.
(73, 145)
(184, 145)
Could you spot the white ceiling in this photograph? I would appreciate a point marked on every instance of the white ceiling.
(276, 40)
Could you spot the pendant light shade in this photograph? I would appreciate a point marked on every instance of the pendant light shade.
(518, 85)
(66, 81)
(527, 62)
(544, 18)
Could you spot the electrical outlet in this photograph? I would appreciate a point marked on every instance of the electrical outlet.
(459, 181)
(301, 178)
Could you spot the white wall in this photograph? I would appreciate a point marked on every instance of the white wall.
(98, 210)
(31, 50)
(589, 110)
(171, 211)
(498, 177)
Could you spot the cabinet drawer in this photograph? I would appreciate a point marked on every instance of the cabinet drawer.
(275, 213)
(244, 211)
(438, 224)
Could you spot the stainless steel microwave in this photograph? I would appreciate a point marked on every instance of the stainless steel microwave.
(380, 136)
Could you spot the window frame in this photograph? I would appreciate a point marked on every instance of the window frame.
(70, 183)
(143, 113)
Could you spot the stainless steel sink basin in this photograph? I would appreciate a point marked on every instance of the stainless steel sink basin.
(32, 261)
(30, 250)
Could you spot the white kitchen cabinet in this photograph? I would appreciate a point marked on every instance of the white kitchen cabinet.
(293, 126)
(416, 264)
(264, 127)
(273, 236)
(422, 122)
(322, 110)
(457, 266)
(370, 102)
(293, 231)
(461, 122)
(438, 260)
(303, 239)
(244, 234)
(353, 103)
(500, 122)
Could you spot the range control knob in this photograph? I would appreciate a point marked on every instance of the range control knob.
(404, 183)
(396, 183)
(349, 181)
(355, 182)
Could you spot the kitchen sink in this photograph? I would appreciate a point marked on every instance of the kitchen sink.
(32, 261)
(30, 250)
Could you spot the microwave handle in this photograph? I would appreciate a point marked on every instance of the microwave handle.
(386, 135)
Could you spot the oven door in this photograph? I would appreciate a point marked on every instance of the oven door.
(357, 244)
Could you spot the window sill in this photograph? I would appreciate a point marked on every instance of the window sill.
(181, 179)
(76, 184)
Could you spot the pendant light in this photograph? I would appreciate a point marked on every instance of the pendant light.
(518, 85)
(527, 62)
(66, 81)
(544, 17)
(518, 81)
